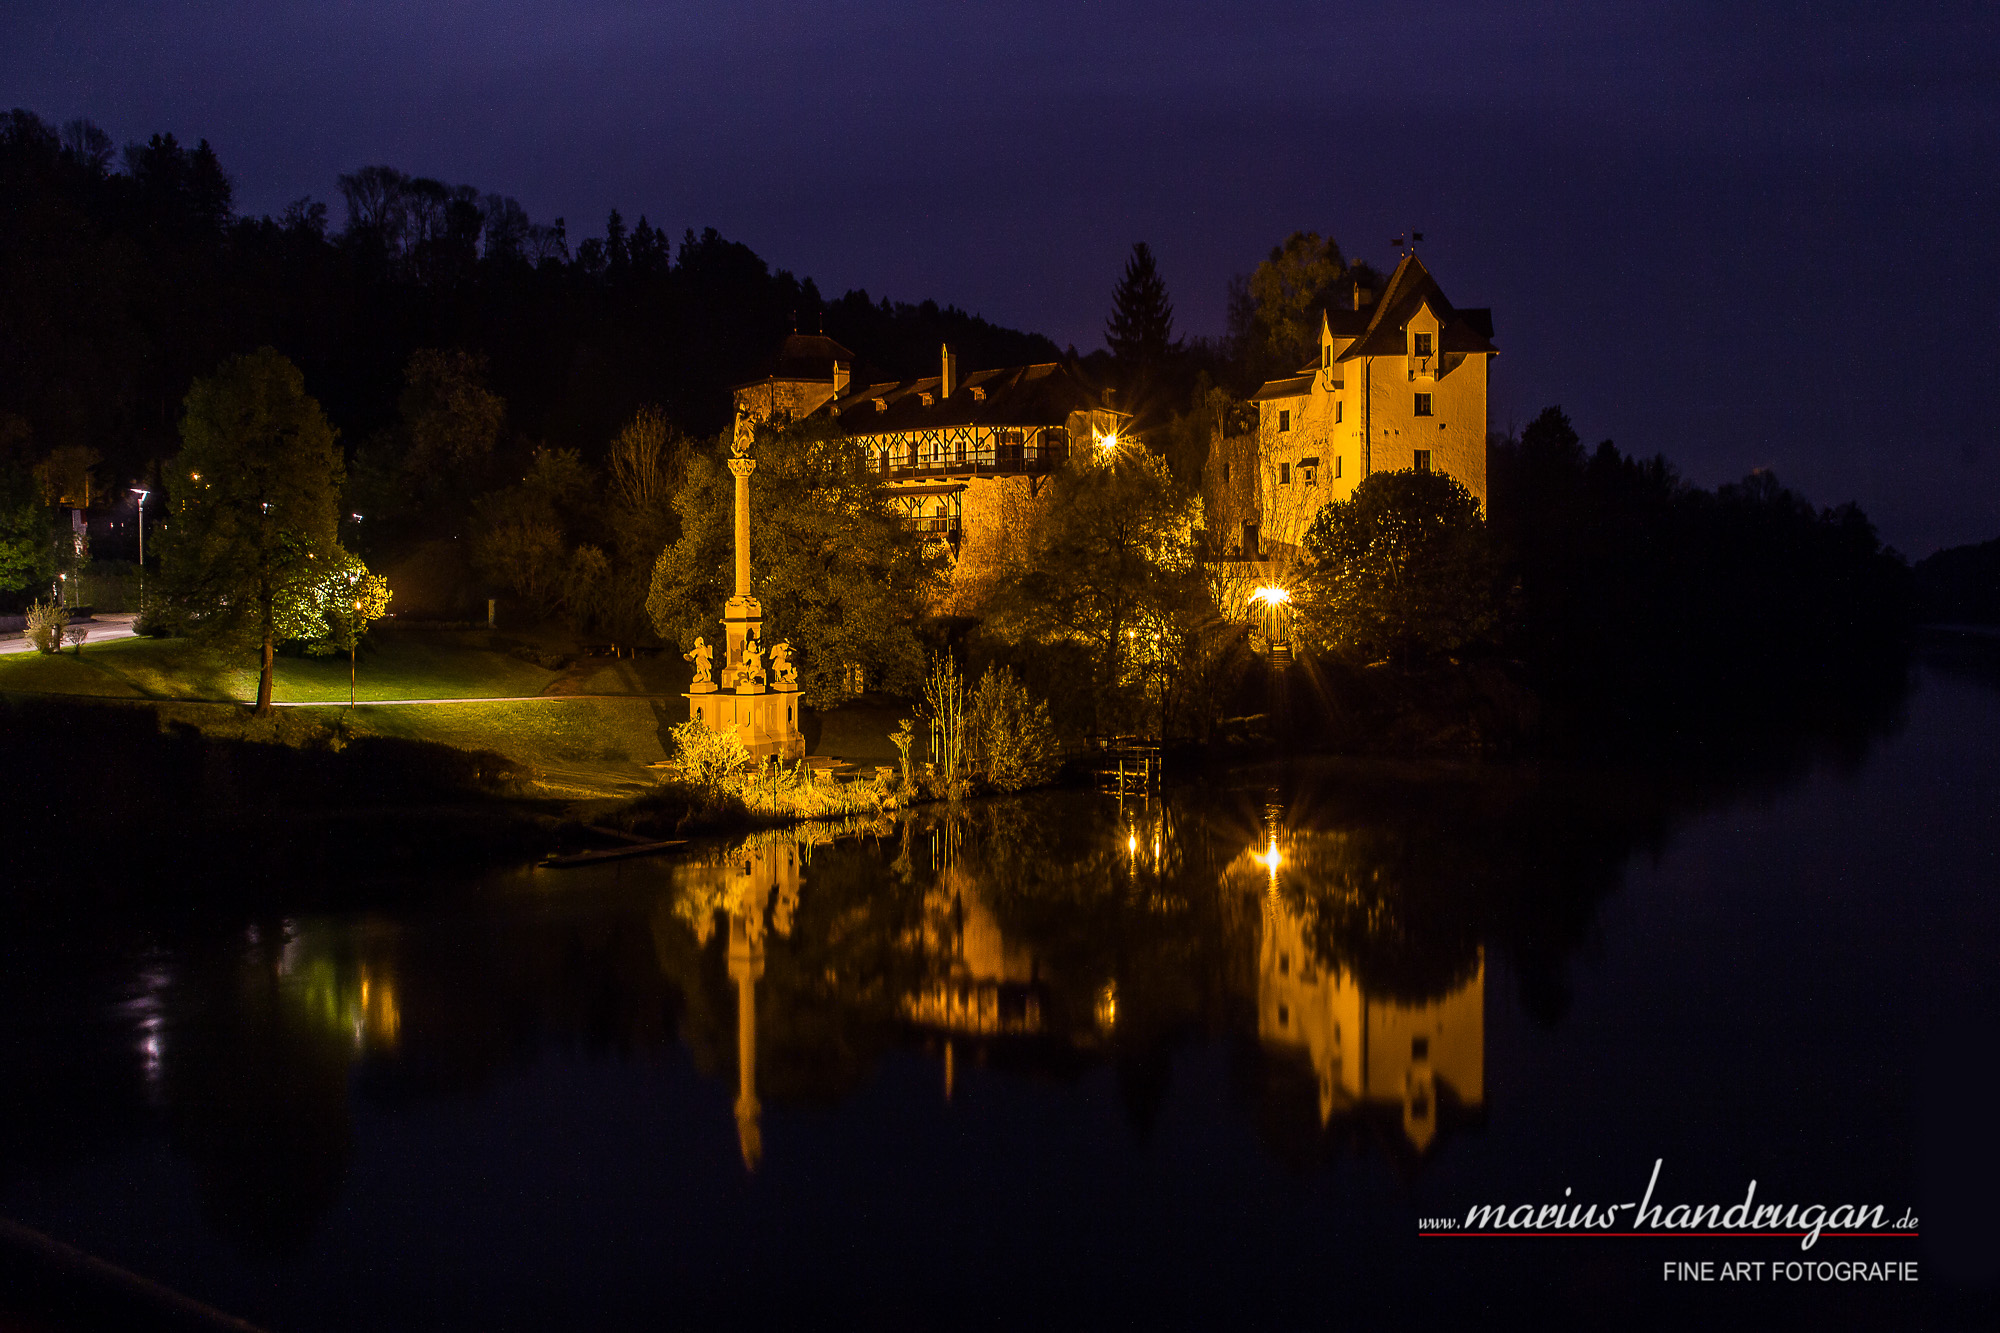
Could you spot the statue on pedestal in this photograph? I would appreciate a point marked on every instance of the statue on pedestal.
(783, 672)
(753, 663)
(703, 658)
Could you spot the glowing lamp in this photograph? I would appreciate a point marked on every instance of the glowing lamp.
(1271, 595)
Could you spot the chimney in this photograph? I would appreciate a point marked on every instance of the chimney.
(1362, 296)
(948, 383)
(839, 378)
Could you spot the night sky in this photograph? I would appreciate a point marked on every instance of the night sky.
(1745, 234)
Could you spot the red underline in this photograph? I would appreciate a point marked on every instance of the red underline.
(1683, 1235)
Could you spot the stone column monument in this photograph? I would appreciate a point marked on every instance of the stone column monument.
(756, 701)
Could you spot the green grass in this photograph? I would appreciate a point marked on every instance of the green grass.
(405, 664)
(562, 746)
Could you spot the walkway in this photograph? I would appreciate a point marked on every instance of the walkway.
(104, 628)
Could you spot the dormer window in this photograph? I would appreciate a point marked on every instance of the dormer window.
(1422, 343)
(927, 399)
(978, 393)
(881, 404)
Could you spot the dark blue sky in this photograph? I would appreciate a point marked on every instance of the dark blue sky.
(1750, 234)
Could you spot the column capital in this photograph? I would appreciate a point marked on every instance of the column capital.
(742, 467)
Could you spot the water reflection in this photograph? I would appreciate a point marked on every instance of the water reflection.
(1330, 930)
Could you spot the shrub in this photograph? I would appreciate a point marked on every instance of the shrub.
(1014, 739)
(709, 759)
(46, 624)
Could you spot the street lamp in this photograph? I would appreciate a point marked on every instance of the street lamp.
(142, 494)
(352, 642)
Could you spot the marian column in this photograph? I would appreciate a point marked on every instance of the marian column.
(759, 697)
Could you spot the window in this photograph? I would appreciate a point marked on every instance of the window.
(1225, 473)
(1336, 467)
(1423, 341)
(1284, 1016)
(1423, 404)
(1284, 474)
(1420, 1048)
(1285, 419)
(1326, 355)
(1336, 411)
(1423, 461)
(1309, 471)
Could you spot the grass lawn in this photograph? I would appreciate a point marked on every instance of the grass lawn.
(570, 747)
(395, 664)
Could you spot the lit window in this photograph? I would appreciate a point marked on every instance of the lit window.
(1284, 474)
(1423, 463)
(1285, 419)
(1423, 404)
(1336, 411)
(1423, 344)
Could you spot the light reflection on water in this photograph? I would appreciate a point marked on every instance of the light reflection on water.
(1341, 966)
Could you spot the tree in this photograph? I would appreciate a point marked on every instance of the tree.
(337, 608)
(1400, 570)
(27, 553)
(254, 498)
(1140, 331)
(841, 573)
(1274, 314)
(1102, 562)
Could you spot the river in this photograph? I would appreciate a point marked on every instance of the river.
(1066, 1060)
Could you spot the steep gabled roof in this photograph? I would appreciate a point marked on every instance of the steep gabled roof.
(1027, 396)
(1380, 329)
(1409, 289)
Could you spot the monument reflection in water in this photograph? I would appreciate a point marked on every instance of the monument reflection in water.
(983, 941)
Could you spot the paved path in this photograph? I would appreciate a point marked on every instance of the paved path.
(104, 628)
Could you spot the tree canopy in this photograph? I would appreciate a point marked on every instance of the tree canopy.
(255, 502)
(841, 573)
(1402, 569)
(1140, 330)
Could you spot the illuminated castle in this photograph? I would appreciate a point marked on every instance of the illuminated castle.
(1396, 383)
(964, 453)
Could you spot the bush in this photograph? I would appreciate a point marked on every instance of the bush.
(46, 624)
(709, 759)
(1014, 740)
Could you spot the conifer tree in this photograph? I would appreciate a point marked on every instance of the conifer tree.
(1140, 330)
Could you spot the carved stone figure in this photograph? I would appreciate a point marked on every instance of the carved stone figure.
(746, 432)
(703, 658)
(753, 661)
(782, 669)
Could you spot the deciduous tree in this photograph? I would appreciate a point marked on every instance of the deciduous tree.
(1402, 569)
(255, 498)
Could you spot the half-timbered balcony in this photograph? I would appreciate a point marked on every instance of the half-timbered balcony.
(971, 452)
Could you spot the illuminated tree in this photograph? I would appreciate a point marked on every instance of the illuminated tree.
(1102, 564)
(840, 571)
(254, 497)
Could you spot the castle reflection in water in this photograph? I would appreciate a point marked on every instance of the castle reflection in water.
(974, 968)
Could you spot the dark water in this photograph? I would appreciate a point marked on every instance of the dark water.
(1064, 1062)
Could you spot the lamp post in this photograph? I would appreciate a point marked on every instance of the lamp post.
(353, 641)
(142, 494)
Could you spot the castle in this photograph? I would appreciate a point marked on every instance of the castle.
(1397, 383)
(964, 454)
